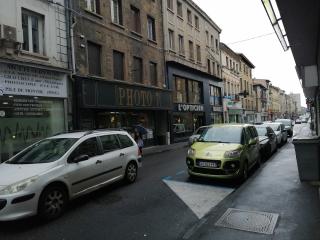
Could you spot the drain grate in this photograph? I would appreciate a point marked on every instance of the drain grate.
(251, 221)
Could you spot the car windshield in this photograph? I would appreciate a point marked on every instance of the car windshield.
(222, 135)
(200, 130)
(286, 122)
(45, 151)
(262, 131)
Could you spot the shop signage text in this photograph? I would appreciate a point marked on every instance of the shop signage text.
(28, 81)
(217, 109)
(190, 108)
(138, 97)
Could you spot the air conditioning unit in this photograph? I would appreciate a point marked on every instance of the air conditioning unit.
(8, 33)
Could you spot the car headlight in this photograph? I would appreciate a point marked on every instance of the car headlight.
(19, 186)
(232, 154)
(191, 152)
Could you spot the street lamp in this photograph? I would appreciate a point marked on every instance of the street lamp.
(275, 23)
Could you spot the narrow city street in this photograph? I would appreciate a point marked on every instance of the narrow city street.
(162, 204)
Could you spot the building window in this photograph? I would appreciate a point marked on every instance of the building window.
(170, 4)
(116, 11)
(196, 21)
(191, 50)
(153, 73)
(212, 41)
(118, 65)
(198, 54)
(207, 38)
(136, 24)
(213, 68)
(179, 9)
(189, 15)
(180, 93)
(137, 70)
(171, 40)
(215, 96)
(151, 29)
(209, 66)
(33, 32)
(218, 70)
(94, 59)
(181, 45)
(93, 6)
(217, 45)
(227, 61)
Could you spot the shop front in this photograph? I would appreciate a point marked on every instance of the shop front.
(110, 105)
(32, 106)
(249, 116)
(186, 119)
(234, 111)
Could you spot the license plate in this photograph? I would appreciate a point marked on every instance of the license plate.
(208, 164)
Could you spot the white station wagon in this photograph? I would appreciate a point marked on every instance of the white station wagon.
(42, 178)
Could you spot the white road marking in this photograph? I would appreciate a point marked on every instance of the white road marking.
(199, 198)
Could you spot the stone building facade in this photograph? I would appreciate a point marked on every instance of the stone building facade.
(193, 66)
(261, 94)
(119, 66)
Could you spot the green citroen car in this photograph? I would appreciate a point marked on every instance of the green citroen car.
(224, 151)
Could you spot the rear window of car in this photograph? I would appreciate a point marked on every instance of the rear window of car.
(286, 122)
(262, 131)
(125, 141)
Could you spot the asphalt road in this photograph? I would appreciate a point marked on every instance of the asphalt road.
(151, 208)
(147, 209)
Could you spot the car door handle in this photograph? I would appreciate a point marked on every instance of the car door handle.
(98, 161)
(122, 154)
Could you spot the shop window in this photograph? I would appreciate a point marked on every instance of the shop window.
(116, 11)
(135, 14)
(151, 28)
(180, 93)
(118, 65)
(153, 73)
(194, 92)
(94, 59)
(215, 96)
(33, 32)
(137, 70)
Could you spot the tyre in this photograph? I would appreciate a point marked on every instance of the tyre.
(131, 172)
(244, 174)
(258, 163)
(268, 151)
(52, 202)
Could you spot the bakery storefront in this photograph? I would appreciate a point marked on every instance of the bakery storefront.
(108, 104)
(32, 106)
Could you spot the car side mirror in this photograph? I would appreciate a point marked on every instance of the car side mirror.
(270, 135)
(80, 158)
(252, 142)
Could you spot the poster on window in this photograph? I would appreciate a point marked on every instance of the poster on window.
(28, 81)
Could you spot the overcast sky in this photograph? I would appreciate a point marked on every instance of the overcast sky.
(244, 19)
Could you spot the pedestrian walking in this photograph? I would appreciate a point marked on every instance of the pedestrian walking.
(138, 139)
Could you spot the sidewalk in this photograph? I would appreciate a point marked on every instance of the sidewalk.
(274, 188)
(163, 148)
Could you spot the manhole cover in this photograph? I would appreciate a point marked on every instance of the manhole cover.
(259, 222)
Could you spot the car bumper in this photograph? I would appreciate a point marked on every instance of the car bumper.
(17, 206)
(215, 176)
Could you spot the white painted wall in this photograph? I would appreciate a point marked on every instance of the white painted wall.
(55, 37)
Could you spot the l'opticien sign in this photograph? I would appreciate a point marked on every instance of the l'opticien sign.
(138, 97)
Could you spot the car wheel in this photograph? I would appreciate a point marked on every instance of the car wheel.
(52, 202)
(258, 163)
(131, 172)
(245, 169)
(268, 151)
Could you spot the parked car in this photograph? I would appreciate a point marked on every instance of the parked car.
(224, 151)
(298, 121)
(279, 130)
(197, 134)
(304, 120)
(287, 125)
(268, 141)
(42, 178)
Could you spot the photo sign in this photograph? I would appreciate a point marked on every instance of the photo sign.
(28, 81)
